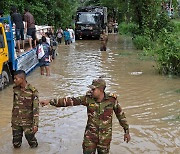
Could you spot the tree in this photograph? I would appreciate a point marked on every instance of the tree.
(49, 12)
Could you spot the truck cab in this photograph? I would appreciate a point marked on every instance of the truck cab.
(9, 61)
(90, 21)
(87, 24)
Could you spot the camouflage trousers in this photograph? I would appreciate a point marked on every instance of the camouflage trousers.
(17, 132)
(90, 147)
(103, 48)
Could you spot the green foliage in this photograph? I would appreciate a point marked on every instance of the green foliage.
(161, 39)
(127, 28)
(49, 12)
(166, 52)
(176, 25)
(117, 10)
(144, 12)
(38, 13)
(161, 20)
(141, 41)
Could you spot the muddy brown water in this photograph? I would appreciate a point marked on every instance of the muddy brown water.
(151, 101)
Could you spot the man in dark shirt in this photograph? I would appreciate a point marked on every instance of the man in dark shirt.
(30, 27)
(19, 29)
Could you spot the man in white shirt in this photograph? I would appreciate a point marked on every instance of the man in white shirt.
(47, 38)
(72, 36)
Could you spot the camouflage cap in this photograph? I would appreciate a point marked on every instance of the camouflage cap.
(96, 83)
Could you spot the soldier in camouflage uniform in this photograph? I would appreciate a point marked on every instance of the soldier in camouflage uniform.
(25, 112)
(104, 40)
(100, 107)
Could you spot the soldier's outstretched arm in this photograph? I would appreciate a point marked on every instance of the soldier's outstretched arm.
(66, 101)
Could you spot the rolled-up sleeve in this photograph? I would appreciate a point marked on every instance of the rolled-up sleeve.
(69, 101)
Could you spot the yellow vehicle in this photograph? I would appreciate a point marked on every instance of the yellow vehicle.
(9, 62)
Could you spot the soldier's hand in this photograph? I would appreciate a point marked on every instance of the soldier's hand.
(127, 137)
(35, 129)
(44, 102)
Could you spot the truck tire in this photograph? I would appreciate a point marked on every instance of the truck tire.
(5, 80)
(77, 37)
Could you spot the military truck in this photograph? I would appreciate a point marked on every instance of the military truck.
(90, 21)
(9, 61)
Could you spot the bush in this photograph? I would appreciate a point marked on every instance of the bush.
(127, 28)
(166, 53)
(161, 21)
(163, 42)
(176, 25)
(141, 42)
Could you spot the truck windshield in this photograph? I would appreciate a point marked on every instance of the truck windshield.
(87, 18)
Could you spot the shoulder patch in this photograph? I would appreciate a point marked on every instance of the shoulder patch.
(113, 95)
(32, 88)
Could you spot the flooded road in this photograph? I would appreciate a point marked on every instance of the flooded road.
(151, 101)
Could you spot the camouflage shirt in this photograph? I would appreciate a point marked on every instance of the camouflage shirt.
(25, 110)
(104, 39)
(99, 124)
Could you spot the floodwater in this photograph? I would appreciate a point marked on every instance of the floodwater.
(151, 101)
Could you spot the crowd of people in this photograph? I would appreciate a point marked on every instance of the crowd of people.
(49, 42)
(68, 34)
(168, 7)
(25, 28)
(112, 26)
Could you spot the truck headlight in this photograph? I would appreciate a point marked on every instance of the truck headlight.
(90, 28)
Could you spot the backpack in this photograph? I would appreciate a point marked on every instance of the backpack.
(40, 51)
